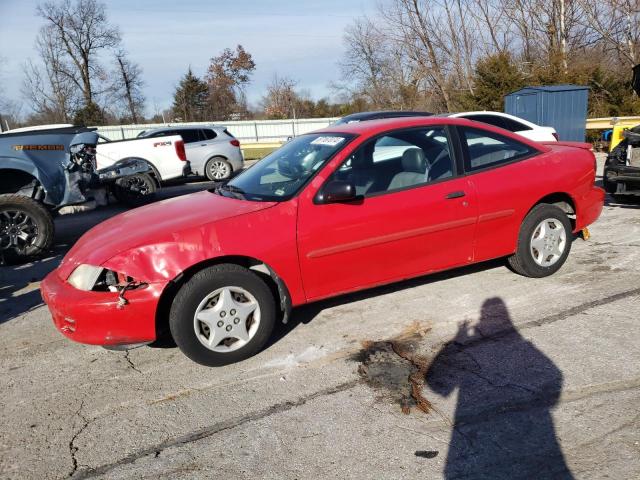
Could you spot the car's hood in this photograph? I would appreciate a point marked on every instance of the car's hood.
(160, 222)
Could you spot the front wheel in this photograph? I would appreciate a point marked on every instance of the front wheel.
(223, 314)
(544, 242)
(217, 169)
(26, 228)
(135, 190)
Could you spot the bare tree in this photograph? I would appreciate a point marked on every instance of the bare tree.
(81, 31)
(128, 86)
(280, 100)
(52, 95)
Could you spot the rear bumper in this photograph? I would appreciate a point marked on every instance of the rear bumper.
(95, 318)
(589, 208)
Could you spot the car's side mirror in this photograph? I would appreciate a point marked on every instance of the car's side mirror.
(337, 191)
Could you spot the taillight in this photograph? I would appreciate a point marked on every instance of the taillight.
(555, 135)
(180, 150)
(235, 143)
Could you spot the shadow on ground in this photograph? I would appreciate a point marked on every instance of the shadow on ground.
(505, 389)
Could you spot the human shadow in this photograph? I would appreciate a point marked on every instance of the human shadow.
(502, 427)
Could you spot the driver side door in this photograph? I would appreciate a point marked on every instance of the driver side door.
(405, 222)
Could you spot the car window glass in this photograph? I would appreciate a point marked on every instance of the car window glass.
(398, 160)
(514, 125)
(208, 134)
(487, 149)
(283, 172)
(494, 120)
(190, 135)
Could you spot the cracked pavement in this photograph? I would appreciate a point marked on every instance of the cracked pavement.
(525, 379)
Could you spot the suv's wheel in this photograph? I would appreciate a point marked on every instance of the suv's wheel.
(135, 190)
(26, 228)
(222, 315)
(217, 168)
(544, 242)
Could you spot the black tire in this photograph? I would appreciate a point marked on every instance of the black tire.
(208, 169)
(135, 190)
(33, 219)
(522, 260)
(201, 285)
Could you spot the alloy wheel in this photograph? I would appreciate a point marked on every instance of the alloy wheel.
(18, 230)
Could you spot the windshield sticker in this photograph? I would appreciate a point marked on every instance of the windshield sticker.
(279, 192)
(39, 147)
(328, 141)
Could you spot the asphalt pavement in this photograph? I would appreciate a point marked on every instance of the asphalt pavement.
(472, 373)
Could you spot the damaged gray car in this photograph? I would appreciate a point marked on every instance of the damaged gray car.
(42, 171)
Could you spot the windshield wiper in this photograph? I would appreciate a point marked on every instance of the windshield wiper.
(239, 193)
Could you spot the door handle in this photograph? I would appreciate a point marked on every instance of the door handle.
(457, 194)
(203, 144)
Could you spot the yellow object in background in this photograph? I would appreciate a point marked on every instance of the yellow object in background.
(616, 135)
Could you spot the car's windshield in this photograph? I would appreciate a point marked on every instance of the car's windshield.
(281, 174)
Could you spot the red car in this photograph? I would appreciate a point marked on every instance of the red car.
(346, 208)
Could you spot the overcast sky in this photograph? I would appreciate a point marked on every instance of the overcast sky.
(301, 39)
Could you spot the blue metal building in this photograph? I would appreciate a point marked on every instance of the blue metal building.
(563, 107)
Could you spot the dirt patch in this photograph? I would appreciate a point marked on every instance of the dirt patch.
(395, 370)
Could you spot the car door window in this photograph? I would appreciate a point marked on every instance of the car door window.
(207, 134)
(487, 149)
(399, 160)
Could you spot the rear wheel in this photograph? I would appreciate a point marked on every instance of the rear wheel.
(223, 314)
(135, 190)
(544, 242)
(217, 168)
(26, 228)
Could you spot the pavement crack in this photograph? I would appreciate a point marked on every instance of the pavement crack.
(73, 449)
(216, 428)
(129, 361)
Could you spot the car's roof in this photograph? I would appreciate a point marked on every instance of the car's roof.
(372, 126)
(365, 116)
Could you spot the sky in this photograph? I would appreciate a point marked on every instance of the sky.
(300, 39)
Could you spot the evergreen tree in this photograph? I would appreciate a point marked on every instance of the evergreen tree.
(495, 76)
(190, 99)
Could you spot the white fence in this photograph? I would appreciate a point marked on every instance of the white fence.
(259, 131)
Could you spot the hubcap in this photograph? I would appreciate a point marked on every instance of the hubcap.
(548, 242)
(219, 169)
(17, 230)
(227, 319)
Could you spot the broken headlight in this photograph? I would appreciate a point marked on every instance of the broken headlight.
(84, 277)
(99, 279)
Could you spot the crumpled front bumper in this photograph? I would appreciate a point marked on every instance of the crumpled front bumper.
(95, 317)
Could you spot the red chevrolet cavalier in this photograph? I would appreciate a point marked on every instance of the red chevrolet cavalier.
(342, 209)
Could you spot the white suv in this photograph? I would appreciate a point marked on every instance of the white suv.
(513, 124)
(212, 151)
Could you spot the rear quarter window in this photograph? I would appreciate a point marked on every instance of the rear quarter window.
(487, 149)
(208, 134)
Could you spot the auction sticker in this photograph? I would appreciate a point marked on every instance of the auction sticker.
(328, 141)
